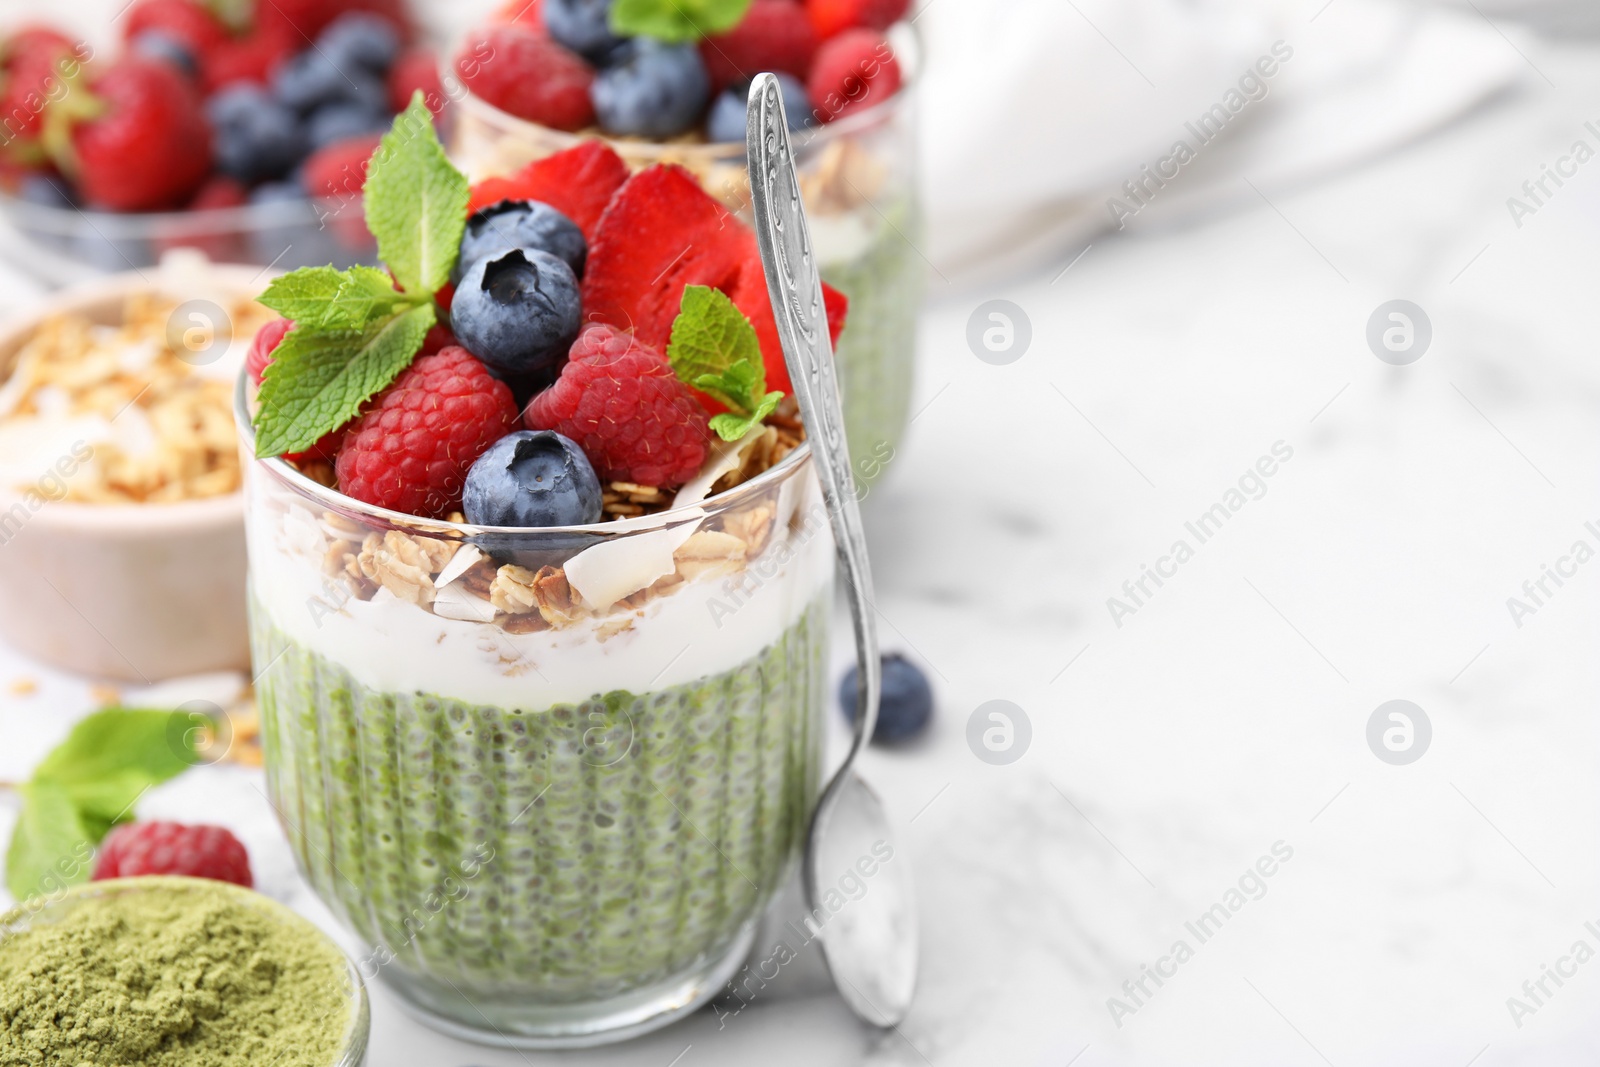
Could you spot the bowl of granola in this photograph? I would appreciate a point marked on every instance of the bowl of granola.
(121, 522)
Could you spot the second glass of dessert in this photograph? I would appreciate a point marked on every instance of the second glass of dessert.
(661, 88)
(540, 600)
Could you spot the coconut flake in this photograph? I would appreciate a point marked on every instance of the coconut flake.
(605, 573)
(725, 456)
(459, 564)
(456, 601)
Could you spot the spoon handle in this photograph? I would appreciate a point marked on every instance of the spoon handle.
(795, 284)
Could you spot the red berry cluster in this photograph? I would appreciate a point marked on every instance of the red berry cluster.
(835, 48)
(131, 132)
(650, 236)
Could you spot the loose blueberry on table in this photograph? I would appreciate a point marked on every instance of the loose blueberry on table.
(907, 703)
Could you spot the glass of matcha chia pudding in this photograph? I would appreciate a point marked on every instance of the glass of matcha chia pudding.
(856, 160)
(551, 776)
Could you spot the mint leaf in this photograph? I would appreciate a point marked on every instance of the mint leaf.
(319, 298)
(715, 349)
(110, 758)
(85, 786)
(305, 295)
(318, 380)
(416, 202)
(52, 844)
(367, 293)
(676, 21)
(731, 427)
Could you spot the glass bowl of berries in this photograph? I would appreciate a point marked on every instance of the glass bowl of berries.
(247, 140)
(540, 586)
(657, 88)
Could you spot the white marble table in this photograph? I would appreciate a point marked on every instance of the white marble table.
(1228, 714)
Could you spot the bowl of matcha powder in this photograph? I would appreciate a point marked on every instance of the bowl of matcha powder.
(174, 972)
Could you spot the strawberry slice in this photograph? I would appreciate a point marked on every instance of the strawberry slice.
(578, 182)
(660, 234)
(663, 232)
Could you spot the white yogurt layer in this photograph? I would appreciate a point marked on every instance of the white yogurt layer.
(703, 627)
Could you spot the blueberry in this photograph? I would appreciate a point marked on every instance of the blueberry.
(651, 89)
(726, 123)
(46, 191)
(255, 138)
(517, 309)
(583, 26)
(521, 224)
(341, 121)
(532, 478)
(907, 702)
(278, 193)
(359, 39)
(311, 80)
(154, 44)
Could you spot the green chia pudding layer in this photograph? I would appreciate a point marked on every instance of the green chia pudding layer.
(556, 854)
(876, 354)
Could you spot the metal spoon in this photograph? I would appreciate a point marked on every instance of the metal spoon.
(870, 941)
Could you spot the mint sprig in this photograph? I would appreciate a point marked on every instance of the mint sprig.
(714, 348)
(416, 202)
(319, 377)
(88, 784)
(676, 21)
(355, 330)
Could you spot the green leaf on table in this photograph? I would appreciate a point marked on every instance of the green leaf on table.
(52, 845)
(676, 21)
(119, 744)
(416, 202)
(88, 784)
(318, 380)
(714, 349)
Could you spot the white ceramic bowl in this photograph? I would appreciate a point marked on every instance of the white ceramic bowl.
(133, 592)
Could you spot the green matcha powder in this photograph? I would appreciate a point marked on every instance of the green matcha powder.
(159, 978)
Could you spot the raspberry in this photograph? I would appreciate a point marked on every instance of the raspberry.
(339, 169)
(411, 449)
(530, 76)
(775, 35)
(172, 848)
(266, 342)
(621, 402)
(836, 16)
(249, 58)
(416, 69)
(261, 349)
(854, 70)
(219, 191)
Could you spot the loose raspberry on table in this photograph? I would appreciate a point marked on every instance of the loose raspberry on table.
(411, 449)
(621, 402)
(173, 848)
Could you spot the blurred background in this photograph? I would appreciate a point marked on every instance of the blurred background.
(1166, 243)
